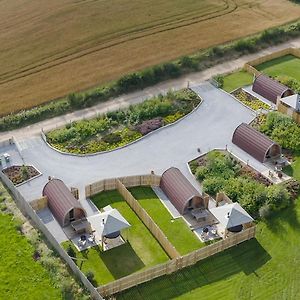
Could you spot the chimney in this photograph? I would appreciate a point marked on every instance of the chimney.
(228, 215)
(298, 103)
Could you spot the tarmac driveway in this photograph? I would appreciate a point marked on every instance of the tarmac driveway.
(210, 126)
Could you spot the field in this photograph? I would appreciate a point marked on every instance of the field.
(263, 268)
(49, 50)
(176, 230)
(141, 251)
(288, 65)
(20, 276)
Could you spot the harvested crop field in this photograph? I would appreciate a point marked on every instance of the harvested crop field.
(50, 50)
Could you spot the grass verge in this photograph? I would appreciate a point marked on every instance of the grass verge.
(176, 230)
(236, 80)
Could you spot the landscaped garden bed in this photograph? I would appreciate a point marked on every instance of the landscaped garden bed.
(176, 230)
(140, 251)
(20, 174)
(119, 128)
(249, 100)
(219, 171)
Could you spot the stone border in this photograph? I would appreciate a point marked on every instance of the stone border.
(44, 138)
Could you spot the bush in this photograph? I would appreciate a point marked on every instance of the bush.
(282, 129)
(213, 185)
(220, 80)
(245, 46)
(91, 277)
(149, 125)
(265, 211)
(71, 252)
(112, 138)
(201, 173)
(278, 197)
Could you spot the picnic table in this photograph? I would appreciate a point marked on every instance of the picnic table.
(199, 214)
(80, 225)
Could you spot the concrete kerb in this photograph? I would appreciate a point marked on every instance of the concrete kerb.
(44, 138)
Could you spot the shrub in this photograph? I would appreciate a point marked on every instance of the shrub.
(24, 172)
(91, 277)
(219, 79)
(71, 252)
(265, 211)
(201, 173)
(277, 197)
(213, 185)
(282, 129)
(149, 125)
(188, 62)
(112, 138)
(245, 46)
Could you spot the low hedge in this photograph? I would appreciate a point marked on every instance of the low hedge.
(150, 76)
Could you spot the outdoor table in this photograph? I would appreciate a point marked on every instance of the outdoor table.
(199, 214)
(79, 225)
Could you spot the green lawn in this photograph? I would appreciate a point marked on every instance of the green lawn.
(177, 231)
(294, 168)
(237, 79)
(20, 276)
(264, 268)
(288, 65)
(141, 251)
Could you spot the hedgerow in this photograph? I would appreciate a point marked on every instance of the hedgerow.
(150, 76)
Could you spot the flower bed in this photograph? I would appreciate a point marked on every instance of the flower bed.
(119, 128)
(20, 174)
(221, 172)
(249, 100)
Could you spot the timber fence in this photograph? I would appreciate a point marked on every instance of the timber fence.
(28, 211)
(147, 220)
(176, 264)
(129, 181)
(250, 65)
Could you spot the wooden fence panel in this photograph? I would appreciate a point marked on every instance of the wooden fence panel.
(176, 264)
(28, 211)
(250, 66)
(39, 204)
(147, 220)
(129, 181)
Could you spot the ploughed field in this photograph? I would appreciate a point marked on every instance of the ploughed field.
(50, 50)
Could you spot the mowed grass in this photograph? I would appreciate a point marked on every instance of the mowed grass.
(176, 230)
(288, 65)
(264, 268)
(294, 169)
(236, 80)
(50, 50)
(140, 252)
(20, 276)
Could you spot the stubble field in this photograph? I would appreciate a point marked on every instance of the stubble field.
(50, 49)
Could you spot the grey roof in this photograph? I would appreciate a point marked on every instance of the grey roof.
(231, 215)
(269, 88)
(108, 222)
(252, 141)
(291, 101)
(60, 200)
(177, 188)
